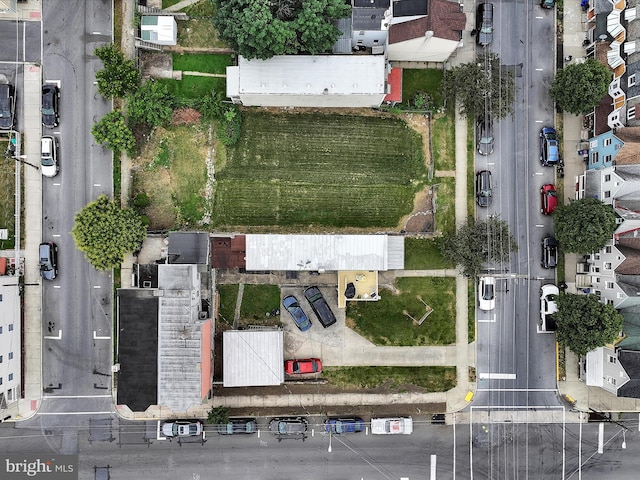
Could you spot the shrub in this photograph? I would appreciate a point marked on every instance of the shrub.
(230, 126)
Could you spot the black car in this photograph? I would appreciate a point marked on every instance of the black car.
(320, 306)
(238, 426)
(549, 253)
(50, 97)
(484, 134)
(484, 188)
(289, 427)
(484, 24)
(7, 95)
(48, 260)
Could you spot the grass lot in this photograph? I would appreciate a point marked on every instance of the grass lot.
(198, 31)
(204, 62)
(194, 87)
(443, 138)
(471, 311)
(7, 199)
(422, 80)
(258, 300)
(434, 379)
(384, 323)
(471, 172)
(445, 205)
(228, 297)
(423, 254)
(169, 3)
(320, 170)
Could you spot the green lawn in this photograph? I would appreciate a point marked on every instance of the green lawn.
(321, 170)
(384, 323)
(423, 254)
(434, 379)
(445, 204)
(257, 300)
(192, 87)
(228, 298)
(7, 199)
(169, 3)
(206, 63)
(471, 311)
(443, 138)
(198, 31)
(422, 80)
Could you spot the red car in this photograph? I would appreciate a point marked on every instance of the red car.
(302, 366)
(549, 198)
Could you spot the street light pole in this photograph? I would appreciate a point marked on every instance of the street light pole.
(21, 159)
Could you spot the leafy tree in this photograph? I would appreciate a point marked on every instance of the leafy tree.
(479, 86)
(477, 242)
(218, 415)
(152, 104)
(112, 132)
(584, 323)
(579, 87)
(584, 226)
(120, 76)
(264, 28)
(105, 232)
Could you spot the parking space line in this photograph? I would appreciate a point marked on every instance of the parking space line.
(497, 376)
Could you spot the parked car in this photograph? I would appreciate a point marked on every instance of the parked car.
(48, 260)
(295, 310)
(50, 98)
(7, 104)
(484, 190)
(182, 428)
(338, 426)
(302, 366)
(392, 426)
(549, 252)
(548, 307)
(484, 134)
(549, 199)
(487, 293)
(289, 427)
(238, 426)
(320, 306)
(484, 24)
(547, 3)
(549, 151)
(49, 156)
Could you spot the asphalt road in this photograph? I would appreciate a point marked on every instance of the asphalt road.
(515, 364)
(77, 305)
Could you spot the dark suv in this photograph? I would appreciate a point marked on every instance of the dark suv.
(7, 93)
(484, 24)
(289, 427)
(48, 260)
(320, 306)
(484, 189)
(484, 134)
(50, 97)
(549, 253)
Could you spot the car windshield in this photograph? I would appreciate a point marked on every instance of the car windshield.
(552, 193)
(487, 293)
(47, 111)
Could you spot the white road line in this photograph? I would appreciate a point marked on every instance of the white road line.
(497, 376)
(96, 33)
(490, 320)
(539, 121)
(59, 337)
(97, 185)
(76, 396)
(538, 69)
(517, 390)
(433, 467)
(56, 184)
(56, 235)
(95, 337)
(539, 173)
(539, 225)
(75, 413)
(57, 286)
(97, 286)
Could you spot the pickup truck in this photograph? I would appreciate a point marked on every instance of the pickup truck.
(390, 426)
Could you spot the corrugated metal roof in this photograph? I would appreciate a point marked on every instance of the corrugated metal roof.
(343, 43)
(320, 252)
(395, 255)
(312, 75)
(253, 358)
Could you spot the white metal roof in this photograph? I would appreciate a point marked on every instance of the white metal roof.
(320, 252)
(308, 80)
(253, 358)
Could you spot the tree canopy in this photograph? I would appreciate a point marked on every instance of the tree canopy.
(584, 226)
(105, 232)
(112, 132)
(579, 87)
(479, 86)
(583, 323)
(477, 242)
(119, 77)
(152, 104)
(264, 28)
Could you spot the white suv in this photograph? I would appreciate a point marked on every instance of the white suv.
(49, 156)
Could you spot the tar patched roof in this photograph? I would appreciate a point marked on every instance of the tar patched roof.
(253, 358)
(324, 252)
(188, 248)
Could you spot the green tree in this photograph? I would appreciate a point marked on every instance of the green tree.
(105, 232)
(584, 323)
(119, 77)
(264, 28)
(218, 415)
(112, 132)
(584, 226)
(477, 242)
(152, 104)
(579, 87)
(479, 86)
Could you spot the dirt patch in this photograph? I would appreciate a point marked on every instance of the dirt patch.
(155, 65)
(422, 218)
